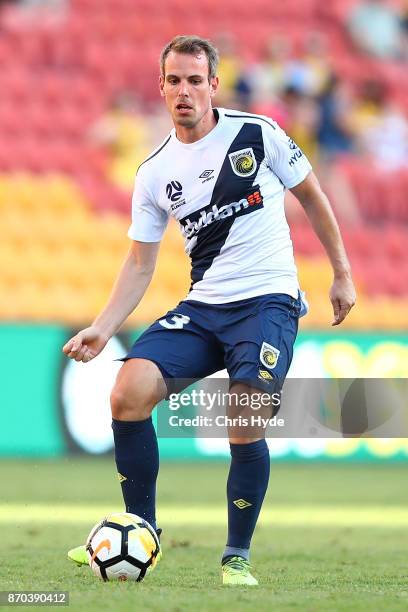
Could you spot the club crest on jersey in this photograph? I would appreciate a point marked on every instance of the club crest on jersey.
(243, 162)
(269, 355)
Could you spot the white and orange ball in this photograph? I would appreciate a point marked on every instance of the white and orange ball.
(122, 546)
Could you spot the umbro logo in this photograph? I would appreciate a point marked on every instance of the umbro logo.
(241, 503)
(207, 175)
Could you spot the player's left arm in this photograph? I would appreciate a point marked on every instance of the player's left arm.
(320, 213)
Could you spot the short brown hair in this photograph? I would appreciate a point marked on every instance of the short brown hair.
(192, 45)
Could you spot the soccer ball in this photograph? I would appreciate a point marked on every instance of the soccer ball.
(122, 546)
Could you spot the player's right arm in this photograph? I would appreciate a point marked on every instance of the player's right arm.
(149, 222)
(129, 288)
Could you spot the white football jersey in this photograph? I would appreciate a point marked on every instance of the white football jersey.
(226, 192)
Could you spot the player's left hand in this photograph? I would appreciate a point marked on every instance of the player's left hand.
(342, 297)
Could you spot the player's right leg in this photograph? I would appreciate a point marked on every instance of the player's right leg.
(174, 349)
(138, 388)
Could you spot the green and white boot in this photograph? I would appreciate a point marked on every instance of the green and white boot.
(78, 555)
(235, 572)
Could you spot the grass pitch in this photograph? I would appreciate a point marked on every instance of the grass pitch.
(331, 537)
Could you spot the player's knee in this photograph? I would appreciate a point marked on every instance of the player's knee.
(138, 388)
(128, 405)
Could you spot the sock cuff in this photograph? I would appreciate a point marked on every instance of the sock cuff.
(233, 551)
(124, 427)
(249, 452)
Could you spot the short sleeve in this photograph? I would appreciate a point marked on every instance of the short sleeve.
(149, 221)
(284, 157)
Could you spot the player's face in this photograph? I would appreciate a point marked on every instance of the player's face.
(187, 89)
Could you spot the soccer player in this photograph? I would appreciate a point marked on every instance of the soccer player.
(222, 174)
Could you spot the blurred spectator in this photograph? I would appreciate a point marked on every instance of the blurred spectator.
(336, 140)
(310, 72)
(334, 131)
(235, 87)
(124, 133)
(404, 26)
(228, 69)
(375, 28)
(22, 14)
(269, 76)
(280, 74)
(369, 106)
(243, 92)
(45, 4)
(385, 141)
(302, 118)
(404, 17)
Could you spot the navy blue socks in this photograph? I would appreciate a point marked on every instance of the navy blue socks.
(137, 460)
(246, 487)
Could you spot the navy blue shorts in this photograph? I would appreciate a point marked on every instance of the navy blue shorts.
(253, 339)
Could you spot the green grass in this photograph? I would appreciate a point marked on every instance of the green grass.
(331, 537)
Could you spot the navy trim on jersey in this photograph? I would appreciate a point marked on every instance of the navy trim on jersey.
(228, 188)
(154, 154)
(251, 117)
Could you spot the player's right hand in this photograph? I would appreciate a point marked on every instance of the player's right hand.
(85, 345)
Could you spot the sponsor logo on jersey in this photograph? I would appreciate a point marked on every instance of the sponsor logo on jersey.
(297, 155)
(243, 162)
(121, 478)
(297, 152)
(269, 355)
(204, 217)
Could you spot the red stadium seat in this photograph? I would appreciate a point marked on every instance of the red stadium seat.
(16, 82)
(395, 240)
(52, 87)
(12, 119)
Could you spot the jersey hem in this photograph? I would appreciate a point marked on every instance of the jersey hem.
(196, 295)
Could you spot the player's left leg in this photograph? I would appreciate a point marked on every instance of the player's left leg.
(259, 348)
(246, 486)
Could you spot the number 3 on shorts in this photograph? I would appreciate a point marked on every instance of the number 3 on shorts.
(177, 321)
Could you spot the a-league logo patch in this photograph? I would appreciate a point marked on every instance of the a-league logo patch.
(243, 162)
(269, 355)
